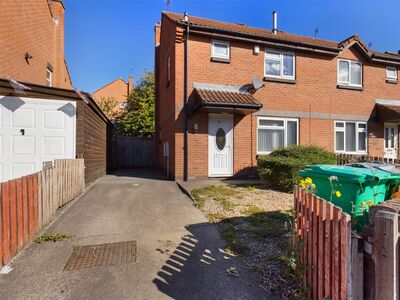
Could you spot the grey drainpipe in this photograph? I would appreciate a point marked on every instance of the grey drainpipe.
(185, 107)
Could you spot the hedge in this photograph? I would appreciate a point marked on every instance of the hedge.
(280, 168)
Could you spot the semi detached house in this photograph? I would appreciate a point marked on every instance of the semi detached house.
(227, 93)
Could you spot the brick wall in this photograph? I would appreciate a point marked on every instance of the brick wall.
(315, 91)
(28, 26)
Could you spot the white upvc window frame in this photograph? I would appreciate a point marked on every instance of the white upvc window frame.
(350, 62)
(281, 54)
(393, 68)
(284, 128)
(49, 79)
(358, 130)
(217, 55)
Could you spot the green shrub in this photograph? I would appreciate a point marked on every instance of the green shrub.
(280, 169)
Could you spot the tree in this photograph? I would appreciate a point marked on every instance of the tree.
(139, 119)
(107, 105)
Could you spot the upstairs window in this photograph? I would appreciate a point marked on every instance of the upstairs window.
(169, 69)
(391, 73)
(220, 49)
(49, 78)
(349, 73)
(279, 64)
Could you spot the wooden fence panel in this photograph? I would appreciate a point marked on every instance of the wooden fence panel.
(29, 203)
(5, 210)
(13, 218)
(323, 235)
(134, 152)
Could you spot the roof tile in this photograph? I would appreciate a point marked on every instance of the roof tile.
(224, 97)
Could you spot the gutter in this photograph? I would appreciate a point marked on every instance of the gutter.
(225, 105)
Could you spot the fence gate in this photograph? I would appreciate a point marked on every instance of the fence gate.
(133, 152)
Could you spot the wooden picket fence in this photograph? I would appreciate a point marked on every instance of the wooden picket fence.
(323, 238)
(352, 158)
(29, 203)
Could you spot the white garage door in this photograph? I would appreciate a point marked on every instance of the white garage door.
(33, 131)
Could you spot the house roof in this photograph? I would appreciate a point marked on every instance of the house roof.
(111, 82)
(244, 29)
(225, 98)
(279, 37)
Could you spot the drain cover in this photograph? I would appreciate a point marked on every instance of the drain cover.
(84, 257)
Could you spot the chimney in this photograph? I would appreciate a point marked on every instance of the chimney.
(157, 33)
(131, 85)
(185, 17)
(274, 22)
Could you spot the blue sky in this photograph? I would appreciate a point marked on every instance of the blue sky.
(104, 39)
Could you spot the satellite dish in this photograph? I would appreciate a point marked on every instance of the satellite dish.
(257, 83)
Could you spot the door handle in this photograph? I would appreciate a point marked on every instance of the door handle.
(22, 131)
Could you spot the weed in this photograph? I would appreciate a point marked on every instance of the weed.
(52, 237)
(234, 246)
(250, 188)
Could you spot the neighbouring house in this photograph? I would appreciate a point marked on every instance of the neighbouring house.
(41, 117)
(250, 91)
(118, 91)
(32, 42)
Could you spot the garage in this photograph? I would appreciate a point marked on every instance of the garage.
(40, 123)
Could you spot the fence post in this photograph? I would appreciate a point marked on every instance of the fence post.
(385, 254)
(356, 284)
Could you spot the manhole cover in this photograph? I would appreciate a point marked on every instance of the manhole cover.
(84, 257)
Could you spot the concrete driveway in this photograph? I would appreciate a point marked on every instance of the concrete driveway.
(178, 251)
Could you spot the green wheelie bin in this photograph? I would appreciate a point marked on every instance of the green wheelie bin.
(354, 189)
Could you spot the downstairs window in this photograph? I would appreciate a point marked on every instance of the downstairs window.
(274, 133)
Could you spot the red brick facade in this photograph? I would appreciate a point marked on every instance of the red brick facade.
(314, 98)
(117, 90)
(18, 20)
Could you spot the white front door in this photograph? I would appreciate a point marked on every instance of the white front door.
(390, 140)
(33, 131)
(220, 145)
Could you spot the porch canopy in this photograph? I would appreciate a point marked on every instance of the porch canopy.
(388, 111)
(217, 98)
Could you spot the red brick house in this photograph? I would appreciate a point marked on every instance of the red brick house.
(213, 117)
(117, 90)
(32, 42)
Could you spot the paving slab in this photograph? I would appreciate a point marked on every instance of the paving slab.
(179, 253)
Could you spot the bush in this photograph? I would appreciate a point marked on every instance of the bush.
(280, 169)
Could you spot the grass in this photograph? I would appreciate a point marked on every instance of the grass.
(219, 194)
(52, 237)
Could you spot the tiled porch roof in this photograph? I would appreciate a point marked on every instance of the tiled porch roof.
(388, 113)
(239, 99)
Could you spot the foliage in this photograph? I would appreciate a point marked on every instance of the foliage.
(107, 105)
(139, 119)
(52, 237)
(280, 169)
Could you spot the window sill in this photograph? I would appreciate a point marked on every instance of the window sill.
(221, 60)
(350, 87)
(392, 81)
(280, 80)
